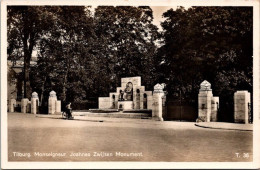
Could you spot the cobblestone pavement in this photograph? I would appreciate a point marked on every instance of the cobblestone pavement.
(32, 138)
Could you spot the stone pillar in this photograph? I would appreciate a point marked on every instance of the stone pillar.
(204, 101)
(157, 109)
(137, 106)
(214, 109)
(241, 104)
(11, 105)
(24, 104)
(52, 102)
(164, 104)
(58, 106)
(34, 103)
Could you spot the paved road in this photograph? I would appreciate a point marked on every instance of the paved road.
(115, 139)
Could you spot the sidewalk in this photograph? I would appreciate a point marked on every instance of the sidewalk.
(106, 118)
(97, 118)
(225, 125)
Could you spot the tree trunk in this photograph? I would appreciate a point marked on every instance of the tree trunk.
(42, 92)
(64, 87)
(27, 86)
(28, 44)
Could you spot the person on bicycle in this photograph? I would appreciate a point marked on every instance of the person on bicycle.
(68, 111)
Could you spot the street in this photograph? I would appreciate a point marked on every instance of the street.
(32, 138)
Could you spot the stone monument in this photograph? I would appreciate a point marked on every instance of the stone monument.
(242, 103)
(208, 105)
(130, 95)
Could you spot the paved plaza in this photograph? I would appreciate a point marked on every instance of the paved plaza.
(36, 138)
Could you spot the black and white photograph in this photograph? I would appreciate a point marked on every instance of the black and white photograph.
(125, 84)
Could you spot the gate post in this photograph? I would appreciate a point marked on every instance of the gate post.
(24, 104)
(208, 105)
(214, 109)
(157, 110)
(241, 109)
(52, 102)
(12, 105)
(35, 103)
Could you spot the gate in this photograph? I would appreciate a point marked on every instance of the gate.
(181, 110)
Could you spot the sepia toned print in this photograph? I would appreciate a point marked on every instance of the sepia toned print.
(130, 83)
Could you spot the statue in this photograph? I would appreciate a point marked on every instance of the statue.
(121, 95)
(129, 91)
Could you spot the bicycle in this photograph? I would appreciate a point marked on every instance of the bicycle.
(64, 115)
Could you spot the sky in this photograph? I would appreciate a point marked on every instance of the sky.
(157, 14)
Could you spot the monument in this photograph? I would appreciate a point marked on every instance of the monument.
(130, 95)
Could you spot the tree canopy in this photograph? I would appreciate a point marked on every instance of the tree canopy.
(83, 55)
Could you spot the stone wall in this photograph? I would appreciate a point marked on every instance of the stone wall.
(135, 80)
(104, 102)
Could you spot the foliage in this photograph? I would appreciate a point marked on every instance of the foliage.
(26, 25)
(83, 55)
(212, 43)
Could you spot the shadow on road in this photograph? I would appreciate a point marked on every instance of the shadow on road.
(71, 119)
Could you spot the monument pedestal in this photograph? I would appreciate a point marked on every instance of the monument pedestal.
(124, 105)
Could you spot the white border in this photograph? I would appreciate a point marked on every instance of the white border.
(133, 165)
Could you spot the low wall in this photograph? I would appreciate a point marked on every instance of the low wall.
(104, 103)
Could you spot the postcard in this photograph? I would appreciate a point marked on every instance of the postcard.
(130, 84)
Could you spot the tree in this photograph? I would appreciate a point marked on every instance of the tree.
(203, 42)
(128, 43)
(26, 25)
(63, 54)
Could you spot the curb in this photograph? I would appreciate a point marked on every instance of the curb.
(221, 128)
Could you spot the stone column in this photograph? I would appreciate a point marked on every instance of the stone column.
(11, 105)
(157, 110)
(58, 106)
(214, 109)
(52, 102)
(164, 104)
(241, 103)
(24, 104)
(204, 101)
(34, 103)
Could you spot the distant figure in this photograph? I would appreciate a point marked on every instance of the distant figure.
(68, 111)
